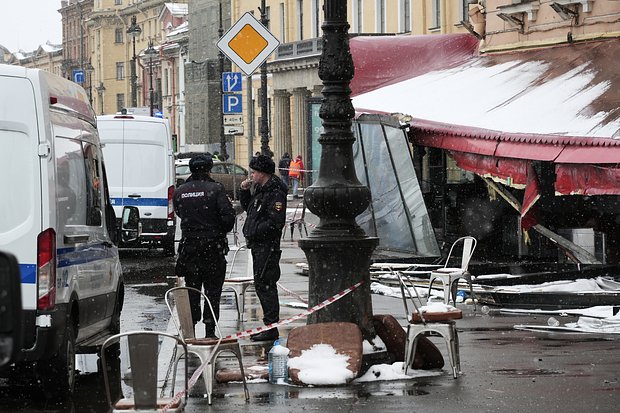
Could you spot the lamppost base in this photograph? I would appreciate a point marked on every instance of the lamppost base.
(335, 265)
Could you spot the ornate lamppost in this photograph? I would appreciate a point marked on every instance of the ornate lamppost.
(134, 31)
(149, 55)
(88, 67)
(220, 56)
(264, 122)
(100, 90)
(338, 250)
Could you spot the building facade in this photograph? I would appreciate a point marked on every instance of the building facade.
(76, 64)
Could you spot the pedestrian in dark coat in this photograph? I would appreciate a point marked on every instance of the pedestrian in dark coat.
(263, 197)
(283, 167)
(207, 215)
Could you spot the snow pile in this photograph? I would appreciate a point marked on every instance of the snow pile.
(437, 307)
(581, 285)
(321, 365)
(377, 346)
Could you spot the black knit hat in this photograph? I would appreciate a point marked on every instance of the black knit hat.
(263, 163)
(200, 163)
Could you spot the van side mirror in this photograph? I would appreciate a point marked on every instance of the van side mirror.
(11, 314)
(131, 227)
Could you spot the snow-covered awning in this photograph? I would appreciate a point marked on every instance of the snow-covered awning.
(559, 104)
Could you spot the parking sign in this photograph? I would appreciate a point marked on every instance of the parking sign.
(232, 103)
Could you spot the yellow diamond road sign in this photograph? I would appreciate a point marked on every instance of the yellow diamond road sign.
(248, 43)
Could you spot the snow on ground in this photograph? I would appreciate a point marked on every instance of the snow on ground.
(394, 371)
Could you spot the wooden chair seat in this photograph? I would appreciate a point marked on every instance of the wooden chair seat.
(209, 341)
(434, 317)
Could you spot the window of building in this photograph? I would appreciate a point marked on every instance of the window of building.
(120, 70)
(118, 36)
(120, 101)
(282, 24)
(358, 25)
(118, 2)
(436, 17)
(464, 11)
(165, 82)
(380, 22)
(300, 13)
(405, 14)
(316, 18)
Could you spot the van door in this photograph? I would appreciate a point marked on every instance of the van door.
(111, 135)
(20, 184)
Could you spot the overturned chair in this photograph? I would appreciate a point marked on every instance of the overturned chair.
(144, 349)
(206, 349)
(422, 323)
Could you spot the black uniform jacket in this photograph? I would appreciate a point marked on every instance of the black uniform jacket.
(266, 210)
(204, 208)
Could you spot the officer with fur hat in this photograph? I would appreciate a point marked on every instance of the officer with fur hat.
(263, 197)
(207, 215)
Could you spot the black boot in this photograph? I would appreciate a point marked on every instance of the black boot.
(269, 335)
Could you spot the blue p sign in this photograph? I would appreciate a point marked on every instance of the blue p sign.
(232, 103)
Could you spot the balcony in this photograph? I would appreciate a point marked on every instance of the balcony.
(303, 48)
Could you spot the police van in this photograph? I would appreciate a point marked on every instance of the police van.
(57, 220)
(140, 164)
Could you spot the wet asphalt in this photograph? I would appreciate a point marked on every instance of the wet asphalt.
(503, 369)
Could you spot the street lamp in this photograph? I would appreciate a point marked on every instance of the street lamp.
(100, 90)
(134, 31)
(264, 122)
(338, 250)
(150, 54)
(90, 69)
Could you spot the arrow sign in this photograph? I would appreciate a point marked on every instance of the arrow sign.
(231, 82)
(233, 130)
(233, 119)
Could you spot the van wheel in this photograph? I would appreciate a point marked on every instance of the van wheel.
(58, 374)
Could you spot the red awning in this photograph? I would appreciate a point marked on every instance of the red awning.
(557, 104)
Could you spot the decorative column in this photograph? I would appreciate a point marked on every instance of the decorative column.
(300, 109)
(338, 250)
(282, 122)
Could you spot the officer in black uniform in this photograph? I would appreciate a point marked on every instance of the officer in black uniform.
(206, 216)
(263, 197)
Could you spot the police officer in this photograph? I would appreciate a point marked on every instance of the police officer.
(263, 197)
(206, 216)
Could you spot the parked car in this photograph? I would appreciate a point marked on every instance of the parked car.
(227, 173)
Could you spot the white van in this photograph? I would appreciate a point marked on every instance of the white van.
(140, 165)
(56, 218)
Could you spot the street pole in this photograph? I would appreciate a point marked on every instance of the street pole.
(134, 31)
(149, 54)
(264, 122)
(220, 32)
(338, 250)
(250, 119)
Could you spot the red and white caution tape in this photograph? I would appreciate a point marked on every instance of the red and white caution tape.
(323, 304)
(298, 316)
(293, 293)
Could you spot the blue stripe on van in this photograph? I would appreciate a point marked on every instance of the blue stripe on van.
(83, 254)
(28, 273)
(139, 201)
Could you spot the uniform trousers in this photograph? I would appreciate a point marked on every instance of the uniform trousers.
(203, 264)
(266, 256)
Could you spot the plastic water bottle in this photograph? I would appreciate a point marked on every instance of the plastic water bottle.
(278, 363)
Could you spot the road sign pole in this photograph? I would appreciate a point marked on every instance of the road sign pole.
(264, 124)
(221, 58)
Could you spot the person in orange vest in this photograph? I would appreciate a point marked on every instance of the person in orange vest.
(296, 174)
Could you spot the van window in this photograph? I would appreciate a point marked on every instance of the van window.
(17, 180)
(93, 184)
(70, 182)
